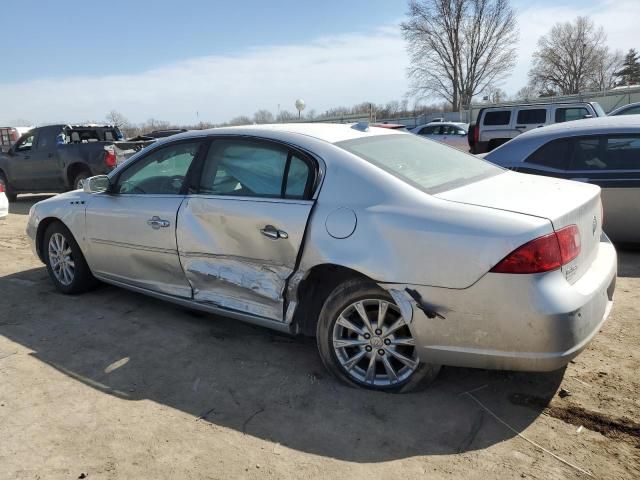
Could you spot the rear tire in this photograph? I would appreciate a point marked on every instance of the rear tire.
(79, 179)
(375, 351)
(65, 262)
(8, 191)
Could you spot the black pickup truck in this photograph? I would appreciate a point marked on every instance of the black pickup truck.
(57, 158)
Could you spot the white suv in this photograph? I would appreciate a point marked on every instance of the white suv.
(499, 124)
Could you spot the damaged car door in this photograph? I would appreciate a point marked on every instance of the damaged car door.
(239, 236)
(131, 229)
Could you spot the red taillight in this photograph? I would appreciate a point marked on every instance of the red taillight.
(110, 159)
(569, 241)
(14, 135)
(543, 254)
(476, 133)
(2, 190)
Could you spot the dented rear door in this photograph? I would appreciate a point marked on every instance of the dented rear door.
(240, 234)
(233, 259)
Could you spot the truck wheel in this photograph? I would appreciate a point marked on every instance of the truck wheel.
(364, 341)
(79, 179)
(12, 197)
(65, 262)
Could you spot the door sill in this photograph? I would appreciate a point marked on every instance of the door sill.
(203, 306)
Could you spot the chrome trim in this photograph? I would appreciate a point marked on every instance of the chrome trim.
(133, 246)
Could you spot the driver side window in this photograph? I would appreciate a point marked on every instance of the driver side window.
(161, 172)
(25, 143)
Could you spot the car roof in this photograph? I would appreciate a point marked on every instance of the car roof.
(527, 105)
(521, 146)
(328, 132)
(587, 126)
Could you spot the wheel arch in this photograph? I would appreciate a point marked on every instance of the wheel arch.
(73, 170)
(312, 291)
(42, 228)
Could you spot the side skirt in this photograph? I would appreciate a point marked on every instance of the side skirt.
(203, 306)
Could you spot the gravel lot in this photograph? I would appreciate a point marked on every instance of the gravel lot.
(112, 384)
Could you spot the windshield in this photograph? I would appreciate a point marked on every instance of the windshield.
(425, 164)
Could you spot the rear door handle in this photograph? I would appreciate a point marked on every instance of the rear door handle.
(272, 232)
(521, 126)
(157, 222)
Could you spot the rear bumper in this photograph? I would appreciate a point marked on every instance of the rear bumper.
(511, 322)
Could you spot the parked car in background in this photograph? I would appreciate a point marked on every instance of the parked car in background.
(4, 202)
(601, 151)
(397, 253)
(451, 133)
(58, 158)
(496, 125)
(10, 135)
(392, 126)
(630, 109)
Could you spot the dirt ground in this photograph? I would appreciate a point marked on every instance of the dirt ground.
(112, 384)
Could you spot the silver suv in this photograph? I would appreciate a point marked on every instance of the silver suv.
(498, 124)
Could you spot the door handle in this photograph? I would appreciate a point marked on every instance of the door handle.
(156, 222)
(272, 232)
(521, 126)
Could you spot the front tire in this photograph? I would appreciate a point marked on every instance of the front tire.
(365, 342)
(65, 262)
(8, 191)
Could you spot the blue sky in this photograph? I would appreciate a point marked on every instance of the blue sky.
(209, 60)
(88, 37)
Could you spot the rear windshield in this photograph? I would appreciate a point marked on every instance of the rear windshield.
(425, 164)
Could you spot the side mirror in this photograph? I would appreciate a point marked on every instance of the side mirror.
(462, 132)
(97, 184)
(587, 116)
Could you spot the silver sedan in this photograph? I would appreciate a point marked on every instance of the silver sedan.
(397, 253)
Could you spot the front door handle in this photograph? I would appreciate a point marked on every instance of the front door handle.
(156, 223)
(272, 232)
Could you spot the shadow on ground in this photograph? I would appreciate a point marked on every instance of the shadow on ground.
(252, 380)
(24, 202)
(628, 260)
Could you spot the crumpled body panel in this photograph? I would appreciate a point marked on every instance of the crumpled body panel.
(227, 258)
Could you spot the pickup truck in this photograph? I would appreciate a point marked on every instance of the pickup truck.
(57, 158)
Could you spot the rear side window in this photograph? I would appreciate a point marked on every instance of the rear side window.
(431, 130)
(622, 153)
(251, 168)
(569, 114)
(500, 117)
(537, 116)
(554, 154)
(587, 155)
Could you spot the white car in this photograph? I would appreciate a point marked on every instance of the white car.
(450, 133)
(397, 253)
(4, 203)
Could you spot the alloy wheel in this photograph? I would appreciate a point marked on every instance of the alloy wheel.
(373, 343)
(61, 259)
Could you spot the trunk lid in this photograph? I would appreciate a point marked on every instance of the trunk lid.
(562, 202)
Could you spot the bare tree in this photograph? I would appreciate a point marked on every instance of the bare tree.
(605, 72)
(241, 120)
(459, 47)
(527, 92)
(286, 116)
(116, 118)
(263, 116)
(571, 57)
